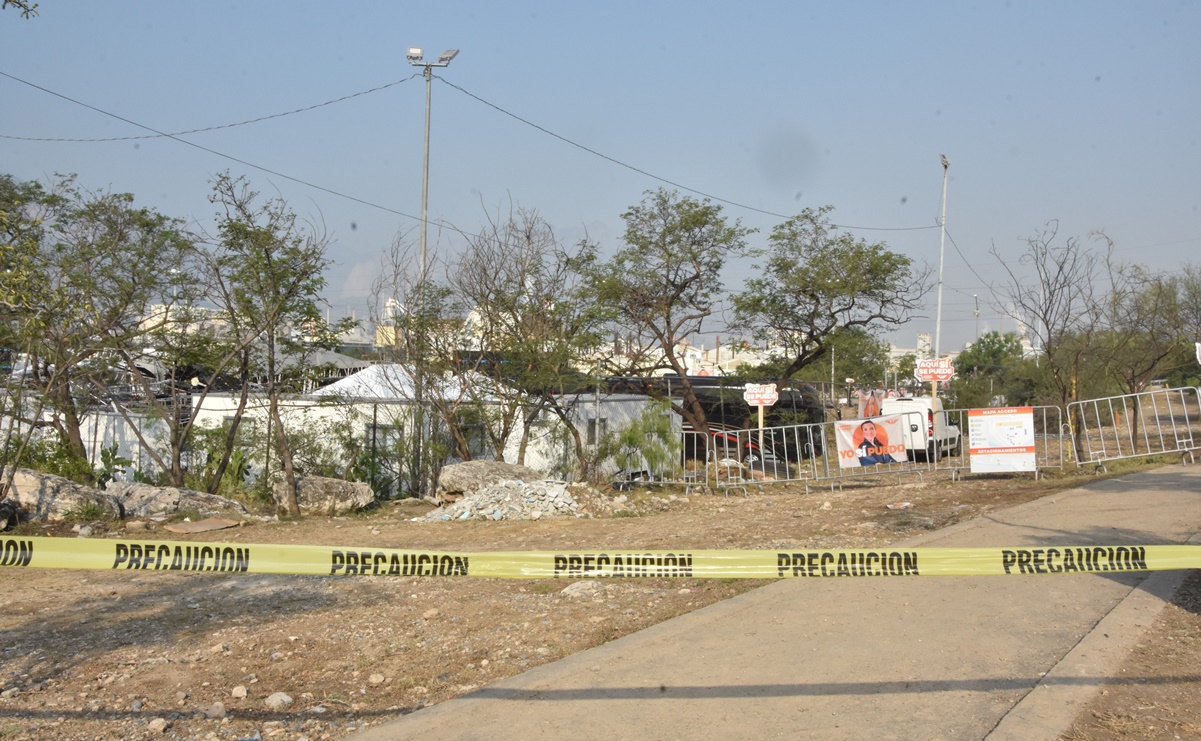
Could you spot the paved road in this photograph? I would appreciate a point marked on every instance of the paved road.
(993, 657)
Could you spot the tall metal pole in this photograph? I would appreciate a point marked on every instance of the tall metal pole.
(942, 241)
(946, 164)
(425, 178)
(415, 59)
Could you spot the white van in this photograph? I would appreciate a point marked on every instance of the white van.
(926, 425)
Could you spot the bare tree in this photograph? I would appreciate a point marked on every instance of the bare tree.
(1059, 305)
(530, 326)
(422, 327)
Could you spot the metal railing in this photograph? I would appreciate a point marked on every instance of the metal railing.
(1149, 423)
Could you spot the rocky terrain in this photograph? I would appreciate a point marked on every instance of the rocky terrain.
(111, 655)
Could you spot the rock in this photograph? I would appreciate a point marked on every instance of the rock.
(238, 692)
(376, 679)
(143, 500)
(278, 701)
(322, 496)
(460, 479)
(158, 725)
(430, 614)
(52, 497)
(582, 589)
(216, 711)
(510, 499)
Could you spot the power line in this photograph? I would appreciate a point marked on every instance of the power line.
(155, 133)
(207, 128)
(173, 137)
(969, 265)
(652, 176)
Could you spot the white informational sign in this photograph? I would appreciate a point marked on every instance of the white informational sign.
(1001, 440)
(871, 442)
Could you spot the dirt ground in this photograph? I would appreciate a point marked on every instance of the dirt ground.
(1155, 694)
(106, 655)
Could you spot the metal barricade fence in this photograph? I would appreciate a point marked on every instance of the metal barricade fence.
(688, 466)
(1049, 437)
(736, 459)
(1159, 422)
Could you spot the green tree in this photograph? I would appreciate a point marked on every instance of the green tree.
(814, 282)
(988, 368)
(905, 369)
(268, 270)
(87, 268)
(991, 354)
(663, 284)
(1144, 329)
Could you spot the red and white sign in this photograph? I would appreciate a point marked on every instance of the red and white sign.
(936, 369)
(760, 394)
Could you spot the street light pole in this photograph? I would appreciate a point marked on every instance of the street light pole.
(415, 58)
(942, 240)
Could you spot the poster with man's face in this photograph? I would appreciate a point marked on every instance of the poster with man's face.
(871, 442)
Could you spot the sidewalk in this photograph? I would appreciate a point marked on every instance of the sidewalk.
(994, 657)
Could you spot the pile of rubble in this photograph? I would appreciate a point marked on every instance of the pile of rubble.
(510, 500)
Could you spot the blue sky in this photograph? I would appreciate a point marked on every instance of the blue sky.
(1082, 112)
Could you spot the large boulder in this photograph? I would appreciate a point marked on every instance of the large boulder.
(321, 496)
(52, 497)
(141, 500)
(457, 480)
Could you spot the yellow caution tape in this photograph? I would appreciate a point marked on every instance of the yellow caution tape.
(123, 555)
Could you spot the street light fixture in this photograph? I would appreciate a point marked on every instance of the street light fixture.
(415, 57)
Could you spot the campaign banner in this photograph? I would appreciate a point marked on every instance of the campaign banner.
(871, 442)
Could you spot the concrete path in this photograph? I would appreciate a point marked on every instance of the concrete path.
(997, 657)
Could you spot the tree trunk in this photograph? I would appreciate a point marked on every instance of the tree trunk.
(231, 437)
(287, 504)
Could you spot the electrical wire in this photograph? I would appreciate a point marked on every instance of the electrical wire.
(173, 137)
(965, 262)
(155, 133)
(209, 128)
(652, 176)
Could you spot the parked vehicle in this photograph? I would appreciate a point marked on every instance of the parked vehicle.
(929, 433)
